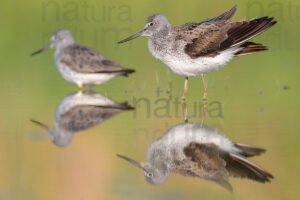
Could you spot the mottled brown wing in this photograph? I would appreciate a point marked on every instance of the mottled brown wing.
(242, 31)
(207, 159)
(209, 38)
(86, 116)
(205, 155)
(210, 156)
(85, 60)
(204, 39)
(204, 161)
(219, 165)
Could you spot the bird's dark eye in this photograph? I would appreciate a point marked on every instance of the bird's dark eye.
(151, 24)
(150, 174)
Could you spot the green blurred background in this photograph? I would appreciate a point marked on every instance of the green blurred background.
(253, 100)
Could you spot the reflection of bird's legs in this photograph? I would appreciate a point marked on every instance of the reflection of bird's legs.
(185, 89)
(205, 87)
(186, 119)
(170, 90)
(80, 87)
(205, 110)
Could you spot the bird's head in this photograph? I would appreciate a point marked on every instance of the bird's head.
(152, 175)
(59, 137)
(154, 24)
(60, 39)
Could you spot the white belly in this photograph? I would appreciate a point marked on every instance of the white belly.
(183, 65)
(83, 78)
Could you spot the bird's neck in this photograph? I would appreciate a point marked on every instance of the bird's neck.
(67, 42)
(60, 48)
(158, 159)
(161, 34)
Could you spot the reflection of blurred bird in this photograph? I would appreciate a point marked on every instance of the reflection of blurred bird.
(81, 65)
(193, 150)
(195, 49)
(81, 111)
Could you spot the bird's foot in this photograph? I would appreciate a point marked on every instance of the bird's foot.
(81, 88)
(183, 99)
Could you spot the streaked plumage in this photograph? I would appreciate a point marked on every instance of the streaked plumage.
(81, 65)
(193, 150)
(195, 49)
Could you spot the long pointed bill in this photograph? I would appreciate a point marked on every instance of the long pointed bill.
(132, 162)
(44, 126)
(41, 50)
(132, 37)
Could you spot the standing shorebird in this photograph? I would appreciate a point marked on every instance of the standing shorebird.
(194, 150)
(81, 65)
(195, 49)
(81, 111)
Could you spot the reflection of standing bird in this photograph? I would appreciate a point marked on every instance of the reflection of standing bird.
(193, 150)
(81, 65)
(195, 49)
(81, 111)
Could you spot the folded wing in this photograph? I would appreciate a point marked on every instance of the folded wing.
(209, 38)
(84, 60)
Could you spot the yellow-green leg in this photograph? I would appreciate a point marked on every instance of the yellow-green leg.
(205, 110)
(205, 88)
(80, 88)
(185, 89)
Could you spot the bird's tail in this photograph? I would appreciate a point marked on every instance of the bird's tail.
(126, 106)
(248, 151)
(238, 166)
(250, 48)
(126, 72)
(241, 32)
